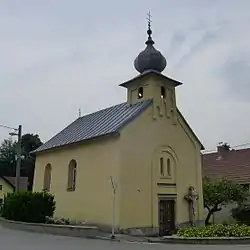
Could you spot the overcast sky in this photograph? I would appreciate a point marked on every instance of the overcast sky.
(57, 56)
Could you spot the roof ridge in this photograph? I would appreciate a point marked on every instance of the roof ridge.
(113, 106)
(5, 178)
(231, 151)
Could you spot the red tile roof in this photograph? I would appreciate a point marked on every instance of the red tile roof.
(233, 164)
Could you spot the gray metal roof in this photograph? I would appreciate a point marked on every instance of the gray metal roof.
(102, 122)
(146, 73)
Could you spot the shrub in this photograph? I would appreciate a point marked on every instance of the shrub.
(58, 221)
(28, 206)
(64, 221)
(218, 230)
(242, 214)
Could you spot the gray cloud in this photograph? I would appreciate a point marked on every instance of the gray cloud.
(58, 56)
(237, 79)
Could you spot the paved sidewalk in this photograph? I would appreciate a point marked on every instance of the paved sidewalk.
(128, 238)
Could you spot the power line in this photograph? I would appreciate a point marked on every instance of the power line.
(4, 126)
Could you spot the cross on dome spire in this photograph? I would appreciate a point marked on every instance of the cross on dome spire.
(149, 31)
(149, 20)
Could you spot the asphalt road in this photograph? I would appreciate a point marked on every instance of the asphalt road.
(20, 240)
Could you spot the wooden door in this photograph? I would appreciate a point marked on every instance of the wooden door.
(166, 217)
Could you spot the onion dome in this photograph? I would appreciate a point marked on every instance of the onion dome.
(150, 58)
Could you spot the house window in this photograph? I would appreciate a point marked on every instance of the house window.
(47, 178)
(72, 175)
(168, 167)
(163, 92)
(1, 187)
(140, 93)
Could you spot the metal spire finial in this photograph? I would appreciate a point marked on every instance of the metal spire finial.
(149, 31)
(149, 20)
(79, 112)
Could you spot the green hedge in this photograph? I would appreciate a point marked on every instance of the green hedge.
(218, 230)
(242, 214)
(28, 206)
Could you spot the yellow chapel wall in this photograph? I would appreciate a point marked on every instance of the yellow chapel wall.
(142, 142)
(92, 199)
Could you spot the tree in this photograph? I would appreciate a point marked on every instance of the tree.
(7, 158)
(29, 142)
(219, 193)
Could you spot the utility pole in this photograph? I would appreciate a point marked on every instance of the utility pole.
(19, 158)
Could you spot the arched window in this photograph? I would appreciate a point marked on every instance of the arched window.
(165, 167)
(72, 175)
(169, 167)
(140, 93)
(47, 177)
(163, 92)
(162, 170)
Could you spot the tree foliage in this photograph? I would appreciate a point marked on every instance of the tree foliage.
(29, 142)
(219, 193)
(7, 158)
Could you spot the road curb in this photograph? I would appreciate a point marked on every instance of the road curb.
(92, 232)
(87, 232)
(63, 230)
(205, 241)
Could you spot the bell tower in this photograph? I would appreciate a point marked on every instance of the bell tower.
(151, 83)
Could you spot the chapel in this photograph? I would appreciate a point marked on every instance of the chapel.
(136, 164)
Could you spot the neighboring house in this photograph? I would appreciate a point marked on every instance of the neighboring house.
(7, 185)
(231, 164)
(144, 144)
